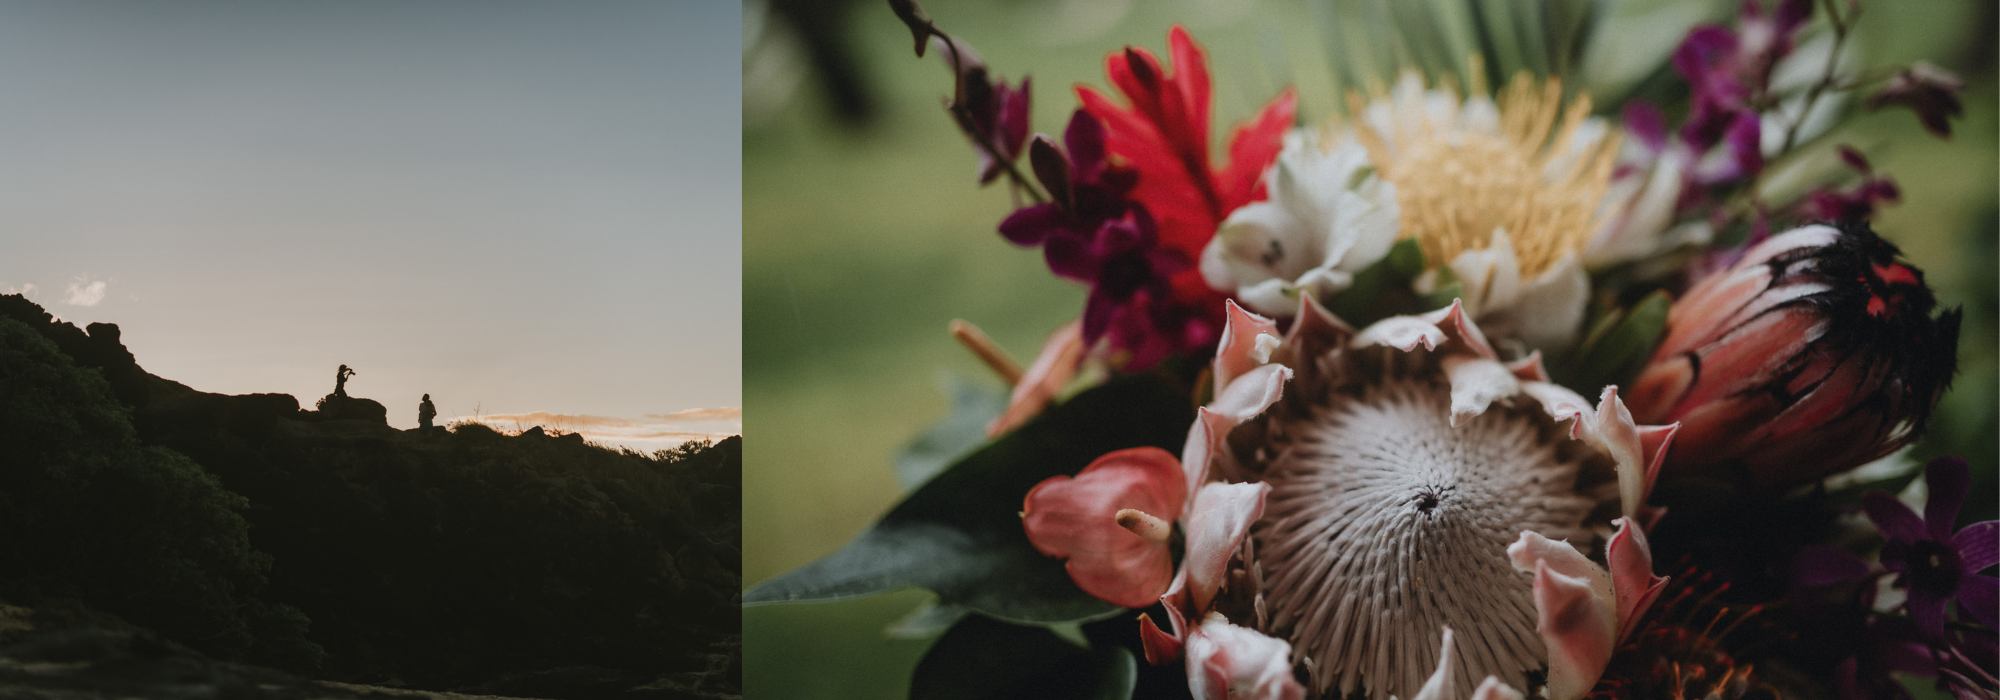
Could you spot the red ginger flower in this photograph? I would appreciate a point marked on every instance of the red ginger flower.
(1163, 135)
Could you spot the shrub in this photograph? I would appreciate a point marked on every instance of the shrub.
(141, 532)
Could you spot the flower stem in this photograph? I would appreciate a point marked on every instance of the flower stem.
(986, 350)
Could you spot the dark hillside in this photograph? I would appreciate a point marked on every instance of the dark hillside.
(467, 560)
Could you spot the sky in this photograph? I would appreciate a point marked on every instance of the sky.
(514, 207)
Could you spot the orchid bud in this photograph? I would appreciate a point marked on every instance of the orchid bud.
(1814, 354)
(1930, 91)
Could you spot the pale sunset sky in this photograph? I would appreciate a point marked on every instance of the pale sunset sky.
(516, 207)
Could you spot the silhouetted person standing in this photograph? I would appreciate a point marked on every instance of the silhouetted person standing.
(340, 381)
(425, 412)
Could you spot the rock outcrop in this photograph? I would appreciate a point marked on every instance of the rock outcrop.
(467, 561)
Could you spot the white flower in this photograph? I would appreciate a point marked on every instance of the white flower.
(1329, 215)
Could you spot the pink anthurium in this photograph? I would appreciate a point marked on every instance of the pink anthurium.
(1112, 521)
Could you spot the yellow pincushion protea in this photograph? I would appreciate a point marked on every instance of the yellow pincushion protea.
(1466, 169)
(1507, 193)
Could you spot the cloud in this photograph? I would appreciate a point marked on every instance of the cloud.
(661, 430)
(26, 290)
(734, 413)
(82, 294)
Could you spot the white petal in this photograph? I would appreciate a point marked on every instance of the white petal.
(1215, 528)
(1400, 332)
(1493, 689)
(1492, 276)
(1434, 687)
(1476, 382)
(1226, 662)
(1551, 307)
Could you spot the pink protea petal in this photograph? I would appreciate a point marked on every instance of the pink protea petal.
(1251, 393)
(1226, 662)
(1813, 236)
(1578, 633)
(1215, 528)
(1618, 434)
(1051, 371)
(1208, 430)
(1610, 428)
(1532, 548)
(1632, 578)
(1160, 647)
(1457, 322)
(1247, 341)
(1400, 332)
(1175, 600)
(1314, 331)
(1529, 369)
(1434, 688)
(1561, 404)
(1578, 612)
(1653, 443)
(1660, 387)
(1076, 518)
(1493, 689)
(1244, 399)
(1476, 382)
(1701, 315)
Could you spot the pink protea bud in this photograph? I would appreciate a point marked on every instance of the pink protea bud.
(1815, 353)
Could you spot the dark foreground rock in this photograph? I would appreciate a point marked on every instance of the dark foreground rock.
(56, 655)
(462, 561)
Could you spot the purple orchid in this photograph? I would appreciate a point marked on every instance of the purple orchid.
(997, 115)
(1729, 72)
(1858, 203)
(1093, 233)
(1931, 561)
(1928, 90)
(992, 114)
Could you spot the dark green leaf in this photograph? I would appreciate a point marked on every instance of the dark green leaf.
(1406, 258)
(982, 658)
(1449, 288)
(960, 535)
(1619, 346)
(927, 621)
(1382, 290)
(963, 430)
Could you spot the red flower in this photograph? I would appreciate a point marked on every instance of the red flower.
(1164, 135)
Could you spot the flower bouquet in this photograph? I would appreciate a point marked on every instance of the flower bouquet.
(1477, 388)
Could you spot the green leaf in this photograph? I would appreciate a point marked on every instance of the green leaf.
(1382, 289)
(960, 534)
(973, 405)
(1619, 345)
(982, 658)
(927, 621)
(1406, 258)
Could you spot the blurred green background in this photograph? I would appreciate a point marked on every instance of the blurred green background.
(863, 239)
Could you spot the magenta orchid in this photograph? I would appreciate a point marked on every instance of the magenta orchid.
(1934, 563)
